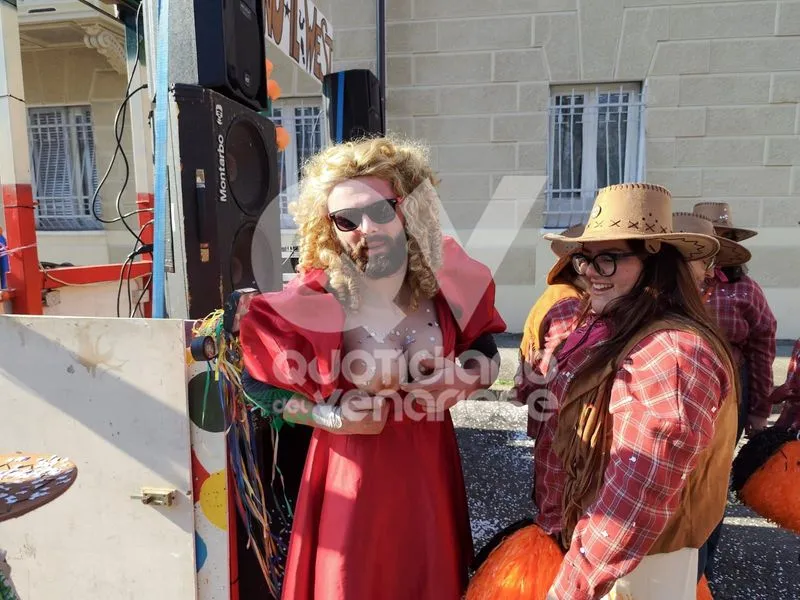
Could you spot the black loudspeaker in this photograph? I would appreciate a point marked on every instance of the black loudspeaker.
(228, 39)
(354, 104)
(229, 183)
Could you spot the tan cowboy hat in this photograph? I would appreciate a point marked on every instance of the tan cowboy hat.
(639, 211)
(720, 215)
(564, 251)
(731, 254)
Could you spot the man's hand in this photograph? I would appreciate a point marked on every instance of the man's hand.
(755, 424)
(443, 383)
(779, 394)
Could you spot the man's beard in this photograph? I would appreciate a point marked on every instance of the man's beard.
(383, 264)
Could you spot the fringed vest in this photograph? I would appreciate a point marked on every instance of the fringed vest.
(583, 443)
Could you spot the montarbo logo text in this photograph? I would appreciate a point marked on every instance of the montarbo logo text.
(223, 175)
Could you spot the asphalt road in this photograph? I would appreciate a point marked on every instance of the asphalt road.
(756, 560)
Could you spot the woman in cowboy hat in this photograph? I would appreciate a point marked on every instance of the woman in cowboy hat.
(634, 467)
(731, 253)
(551, 319)
(743, 313)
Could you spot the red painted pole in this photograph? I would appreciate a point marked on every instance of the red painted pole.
(24, 278)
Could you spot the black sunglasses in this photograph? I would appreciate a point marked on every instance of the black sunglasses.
(604, 263)
(380, 212)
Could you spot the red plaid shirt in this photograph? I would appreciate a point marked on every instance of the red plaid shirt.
(790, 415)
(664, 403)
(743, 314)
(557, 324)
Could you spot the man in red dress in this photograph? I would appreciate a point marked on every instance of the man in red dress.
(373, 340)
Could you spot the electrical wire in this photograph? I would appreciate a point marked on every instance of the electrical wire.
(141, 297)
(119, 150)
(138, 248)
(122, 112)
(67, 283)
(129, 259)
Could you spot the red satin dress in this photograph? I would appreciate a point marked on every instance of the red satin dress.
(378, 517)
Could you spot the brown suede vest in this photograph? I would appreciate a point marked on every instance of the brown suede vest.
(583, 443)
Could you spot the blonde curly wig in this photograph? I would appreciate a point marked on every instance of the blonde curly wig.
(402, 163)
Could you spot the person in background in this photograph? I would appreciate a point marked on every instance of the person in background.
(551, 319)
(789, 393)
(634, 465)
(744, 315)
(731, 254)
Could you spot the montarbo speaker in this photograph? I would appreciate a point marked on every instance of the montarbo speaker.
(219, 44)
(226, 217)
(354, 105)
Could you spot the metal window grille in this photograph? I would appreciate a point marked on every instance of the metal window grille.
(594, 141)
(64, 174)
(304, 125)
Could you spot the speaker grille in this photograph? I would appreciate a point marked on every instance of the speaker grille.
(247, 166)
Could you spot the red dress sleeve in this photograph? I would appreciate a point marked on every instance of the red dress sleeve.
(469, 289)
(291, 339)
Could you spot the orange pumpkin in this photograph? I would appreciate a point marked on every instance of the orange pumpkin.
(524, 565)
(766, 476)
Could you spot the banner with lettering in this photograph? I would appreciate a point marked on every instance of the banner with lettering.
(302, 32)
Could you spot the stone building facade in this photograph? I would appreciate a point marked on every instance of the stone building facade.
(713, 90)
(701, 97)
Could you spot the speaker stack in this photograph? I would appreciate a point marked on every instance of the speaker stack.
(225, 213)
(228, 179)
(354, 106)
(226, 219)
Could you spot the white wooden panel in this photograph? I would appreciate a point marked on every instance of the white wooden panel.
(111, 395)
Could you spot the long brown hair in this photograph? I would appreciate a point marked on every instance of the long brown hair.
(665, 289)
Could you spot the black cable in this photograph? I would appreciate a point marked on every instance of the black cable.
(121, 279)
(147, 248)
(122, 111)
(137, 250)
(118, 133)
(141, 297)
(128, 285)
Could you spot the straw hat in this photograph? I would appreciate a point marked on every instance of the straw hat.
(563, 250)
(639, 211)
(28, 481)
(720, 215)
(731, 254)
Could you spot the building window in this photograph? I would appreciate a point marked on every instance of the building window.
(595, 141)
(64, 176)
(303, 122)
